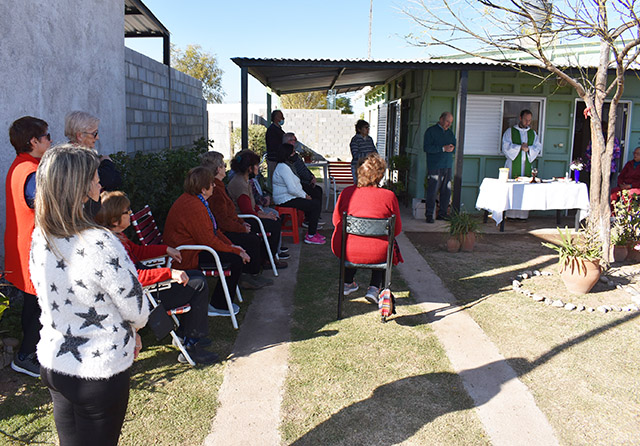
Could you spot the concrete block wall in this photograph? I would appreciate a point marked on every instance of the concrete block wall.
(147, 105)
(327, 132)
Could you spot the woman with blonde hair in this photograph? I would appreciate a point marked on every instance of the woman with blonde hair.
(91, 301)
(366, 199)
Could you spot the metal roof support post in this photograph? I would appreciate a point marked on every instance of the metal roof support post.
(268, 117)
(462, 118)
(244, 107)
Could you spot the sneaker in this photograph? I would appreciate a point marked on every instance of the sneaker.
(315, 239)
(372, 294)
(284, 255)
(218, 312)
(199, 355)
(350, 288)
(27, 364)
(429, 219)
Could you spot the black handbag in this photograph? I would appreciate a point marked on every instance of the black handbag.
(160, 322)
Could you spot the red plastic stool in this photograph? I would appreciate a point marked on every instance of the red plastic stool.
(291, 224)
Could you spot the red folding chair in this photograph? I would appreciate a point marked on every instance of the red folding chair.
(149, 234)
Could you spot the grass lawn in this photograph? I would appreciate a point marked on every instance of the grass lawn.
(170, 403)
(581, 368)
(358, 381)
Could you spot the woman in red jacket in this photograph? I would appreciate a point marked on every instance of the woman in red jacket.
(31, 139)
(191, 222)
(366, 199)
(190, 287)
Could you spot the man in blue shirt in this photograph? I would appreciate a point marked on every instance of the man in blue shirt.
(439, 144)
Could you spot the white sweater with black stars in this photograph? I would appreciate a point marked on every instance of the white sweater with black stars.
(91, 303)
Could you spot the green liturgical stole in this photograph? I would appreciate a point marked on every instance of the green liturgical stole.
(517, 163)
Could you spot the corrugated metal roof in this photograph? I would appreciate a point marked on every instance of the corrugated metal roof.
(139, 21)
(286, 76)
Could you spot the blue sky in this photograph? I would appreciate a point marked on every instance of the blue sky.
(289, 29)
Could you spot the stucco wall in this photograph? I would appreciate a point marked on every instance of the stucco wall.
(147, 99)
(56, 57)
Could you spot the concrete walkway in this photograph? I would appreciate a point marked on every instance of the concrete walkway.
(504, 404)
(251, 394)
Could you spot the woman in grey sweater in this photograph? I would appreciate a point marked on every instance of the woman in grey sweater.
(361, 145)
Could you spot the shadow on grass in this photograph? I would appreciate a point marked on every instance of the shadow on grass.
(26, 416)
(397, 410)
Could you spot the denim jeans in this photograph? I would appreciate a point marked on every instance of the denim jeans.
(438, 181)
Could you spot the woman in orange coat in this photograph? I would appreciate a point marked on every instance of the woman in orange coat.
(191, 222)
(31, 139)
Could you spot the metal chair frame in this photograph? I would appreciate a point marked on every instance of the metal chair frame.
(147, 291)
(264, 239)
(148, 233)
(366, 227)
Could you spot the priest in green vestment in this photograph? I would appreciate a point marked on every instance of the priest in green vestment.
(521, 146)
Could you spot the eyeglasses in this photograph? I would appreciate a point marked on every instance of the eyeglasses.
(48, 136)
(94, 134)
(128, 211)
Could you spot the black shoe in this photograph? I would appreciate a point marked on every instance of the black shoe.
(27, 364)
(199, 355)
(429, 219)
(284, 249)
(284, 255)
(443, 217)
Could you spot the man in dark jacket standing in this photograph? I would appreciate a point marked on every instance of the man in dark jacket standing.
(274, 139)
(439, 144)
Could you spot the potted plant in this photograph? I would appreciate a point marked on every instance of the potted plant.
(619, 242)
(463, 227)
(579, 259)
(626, 223)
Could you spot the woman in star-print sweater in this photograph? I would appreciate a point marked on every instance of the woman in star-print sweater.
(91, 300)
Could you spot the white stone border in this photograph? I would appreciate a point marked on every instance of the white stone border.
(516, 285)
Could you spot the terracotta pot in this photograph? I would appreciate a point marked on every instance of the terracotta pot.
(632, 254)
(618, 253)
(453, 245)
(468, 241)
(580, 275)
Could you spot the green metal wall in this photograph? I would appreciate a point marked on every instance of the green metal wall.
(430, 92)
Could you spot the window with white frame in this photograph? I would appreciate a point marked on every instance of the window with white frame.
(488, 117)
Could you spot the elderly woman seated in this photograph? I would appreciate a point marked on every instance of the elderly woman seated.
(245, 166)
(191, 222)
(236, 229)
(288, 192)
(366, 199)
(190, 287)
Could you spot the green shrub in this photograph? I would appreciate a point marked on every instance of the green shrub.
(257, 141)
(157, 178)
